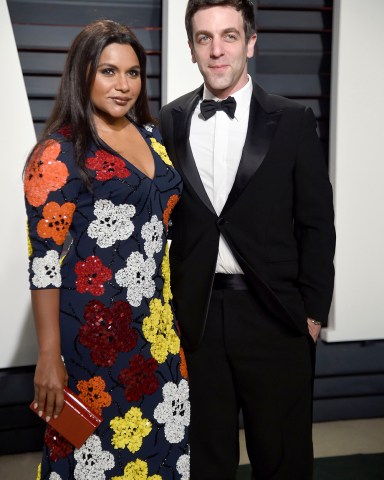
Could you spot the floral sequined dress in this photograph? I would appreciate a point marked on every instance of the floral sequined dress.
(119, 337)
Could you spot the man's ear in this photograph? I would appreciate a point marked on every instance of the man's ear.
(251, 45)
(192, 52)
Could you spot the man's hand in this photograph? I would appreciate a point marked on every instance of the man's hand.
(314, 328)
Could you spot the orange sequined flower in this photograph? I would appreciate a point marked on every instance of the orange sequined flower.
(183, 364)
(93, 394)
(173, 199)
(56, 222)
(44, 173)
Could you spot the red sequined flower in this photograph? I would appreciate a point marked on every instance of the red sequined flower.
(91, 275)
(107, 331)
(58, 446)
(44, 173)
(139, 379)
(107, 166)
(56, 222)
(172, 200)
(66, 131)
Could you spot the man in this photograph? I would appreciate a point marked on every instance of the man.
(251, 254)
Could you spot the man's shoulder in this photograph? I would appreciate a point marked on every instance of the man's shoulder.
(182, 101)
(273, 102)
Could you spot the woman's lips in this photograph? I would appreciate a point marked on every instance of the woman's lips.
(120, 100)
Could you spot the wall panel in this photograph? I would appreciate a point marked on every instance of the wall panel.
(44, 31)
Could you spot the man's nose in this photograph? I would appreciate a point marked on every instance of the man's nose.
(217, 47)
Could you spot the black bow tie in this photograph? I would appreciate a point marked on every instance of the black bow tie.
(208, 108)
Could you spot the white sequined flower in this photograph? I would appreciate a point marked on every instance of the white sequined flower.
(54, 476)
(137, 278)
(46, 270)
(92, 460)
(175, 411)
(183, 466)
(152, 234)
(113, 223)
(149, 127)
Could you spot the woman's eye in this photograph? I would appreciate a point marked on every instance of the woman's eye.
(134, 73)
(107, 71)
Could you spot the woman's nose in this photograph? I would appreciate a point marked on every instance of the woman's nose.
(122, 83)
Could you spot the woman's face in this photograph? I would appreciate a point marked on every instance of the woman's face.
(117, 82)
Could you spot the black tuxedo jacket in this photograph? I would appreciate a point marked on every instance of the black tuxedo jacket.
(278, 219)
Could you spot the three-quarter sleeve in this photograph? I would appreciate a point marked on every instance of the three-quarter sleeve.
(51, 185)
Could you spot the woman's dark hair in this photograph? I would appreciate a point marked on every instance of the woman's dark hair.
(243, 6)
(73, 106)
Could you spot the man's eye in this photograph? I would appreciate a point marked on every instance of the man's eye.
(231, 36)
(203, 39)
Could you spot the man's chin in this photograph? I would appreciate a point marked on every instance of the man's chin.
(217, 86)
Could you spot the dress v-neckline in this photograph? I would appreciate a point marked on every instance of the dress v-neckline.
(131, 165)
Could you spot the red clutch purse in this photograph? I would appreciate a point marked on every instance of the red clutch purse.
(76, 421)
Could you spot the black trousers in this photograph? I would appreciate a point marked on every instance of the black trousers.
(252, 361)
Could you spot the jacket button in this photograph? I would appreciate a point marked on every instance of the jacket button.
(221, 221)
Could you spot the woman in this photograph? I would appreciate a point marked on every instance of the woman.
(104, 321)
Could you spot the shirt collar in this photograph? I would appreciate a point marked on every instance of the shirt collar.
(242, 97)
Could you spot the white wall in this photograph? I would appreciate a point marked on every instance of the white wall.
(357, 169)
(17, 136)
(356, 154)
(179, 74)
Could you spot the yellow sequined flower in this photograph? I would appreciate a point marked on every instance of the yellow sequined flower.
(130, 430)
(30, 249)
(137, 470)
(38, 474)
(160, 150)
(166, 271)
(158, 330)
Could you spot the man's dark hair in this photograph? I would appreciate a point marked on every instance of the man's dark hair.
(243, 6)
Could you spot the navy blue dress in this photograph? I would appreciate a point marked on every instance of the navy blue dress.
(119, 338)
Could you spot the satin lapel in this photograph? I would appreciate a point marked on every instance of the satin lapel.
(182, 121)
(261, 128)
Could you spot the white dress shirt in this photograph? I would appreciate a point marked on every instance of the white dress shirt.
(217, 145)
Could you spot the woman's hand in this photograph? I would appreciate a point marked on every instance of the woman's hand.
(50, 375)
(50, 379)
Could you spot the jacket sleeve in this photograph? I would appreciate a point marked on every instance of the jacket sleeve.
(314, 222)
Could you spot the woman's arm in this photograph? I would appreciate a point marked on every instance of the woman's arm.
(50, 374)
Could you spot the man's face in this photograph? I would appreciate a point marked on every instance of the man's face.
(220, 50)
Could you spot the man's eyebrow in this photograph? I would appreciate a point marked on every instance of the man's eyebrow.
(231, 30)
(202, 32)
(226, 30)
